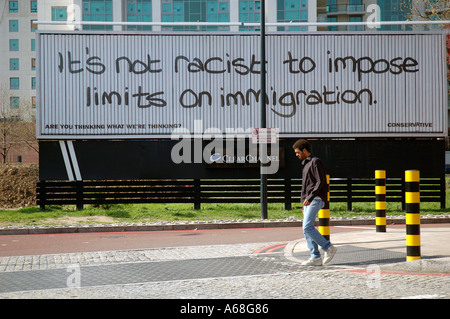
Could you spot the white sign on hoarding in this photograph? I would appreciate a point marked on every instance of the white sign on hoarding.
(264, 136)
(146, 85)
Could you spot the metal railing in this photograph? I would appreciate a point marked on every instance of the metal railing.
(243, 24)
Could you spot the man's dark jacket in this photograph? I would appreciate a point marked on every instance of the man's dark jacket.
(314, 180)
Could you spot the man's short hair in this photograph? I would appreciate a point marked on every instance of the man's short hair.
(302, 144)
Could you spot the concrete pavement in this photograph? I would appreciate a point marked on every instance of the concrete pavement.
(367, 245)
(252, 270)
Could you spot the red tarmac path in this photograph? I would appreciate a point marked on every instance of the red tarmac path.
(22, 245)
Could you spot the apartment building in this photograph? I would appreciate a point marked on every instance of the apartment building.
(17, 50)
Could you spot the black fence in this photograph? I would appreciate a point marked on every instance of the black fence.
(198, 191)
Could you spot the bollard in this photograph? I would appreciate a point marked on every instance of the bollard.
(412, 201)
(380, 200)
(324, 215)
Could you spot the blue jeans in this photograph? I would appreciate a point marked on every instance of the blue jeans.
(312, 235)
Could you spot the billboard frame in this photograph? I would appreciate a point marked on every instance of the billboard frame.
(246, 134)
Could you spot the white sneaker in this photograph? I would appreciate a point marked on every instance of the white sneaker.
(313, 262)
(329, 254)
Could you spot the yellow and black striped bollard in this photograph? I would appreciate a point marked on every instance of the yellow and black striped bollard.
(412, 201)
(380, 201)
(324, 215)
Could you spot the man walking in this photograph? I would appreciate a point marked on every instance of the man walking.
(313, 197)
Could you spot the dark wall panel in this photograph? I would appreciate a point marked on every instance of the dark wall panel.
(151, 159)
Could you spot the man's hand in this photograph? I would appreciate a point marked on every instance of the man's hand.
(306, 203)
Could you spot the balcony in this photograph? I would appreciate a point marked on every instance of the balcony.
(336, 9)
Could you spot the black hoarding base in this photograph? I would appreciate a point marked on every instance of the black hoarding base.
(151, 171)
(153, 159)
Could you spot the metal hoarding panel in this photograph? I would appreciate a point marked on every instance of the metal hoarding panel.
(146, 85)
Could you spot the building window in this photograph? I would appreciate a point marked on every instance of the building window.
(14, 83)
(292, 11)
(390, 11)
(13, 6)
(33, 45)
(97, 10)
(34, 6)
(33, 83)
(59, 13)
(33, 25)
(33, 63)
(13, 64)
(33, 102)
(139, 11)
(355, 27)
(355, 5)
(13, 25)
(249, 11)
(14, 102)
(13, 45)
(332, 19)
(172, 11)
(195, 11)
(217, 11)
(332, 6)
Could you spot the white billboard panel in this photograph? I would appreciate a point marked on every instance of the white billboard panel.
(124, 85)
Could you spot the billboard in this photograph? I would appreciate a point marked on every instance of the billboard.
(123, 85)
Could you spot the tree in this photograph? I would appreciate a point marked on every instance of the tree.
(417, 10)
(17, 125)
(430, 10)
